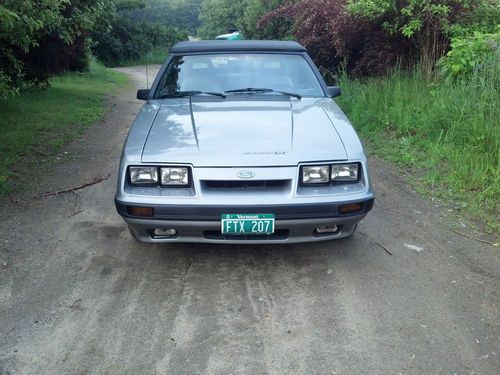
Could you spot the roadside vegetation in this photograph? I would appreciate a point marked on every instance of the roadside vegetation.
(37, 124)
(445, 135)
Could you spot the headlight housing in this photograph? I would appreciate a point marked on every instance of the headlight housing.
(166, 176)
(143, 175)
(171, 176)
(345, 172)
(330, 174)
(315, 174)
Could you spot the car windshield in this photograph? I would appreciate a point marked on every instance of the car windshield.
(225, 72)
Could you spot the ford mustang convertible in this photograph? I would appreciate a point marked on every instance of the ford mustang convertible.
(240, 141)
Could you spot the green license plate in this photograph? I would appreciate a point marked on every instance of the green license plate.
(243, 224)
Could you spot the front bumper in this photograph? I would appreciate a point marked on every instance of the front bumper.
(294, 222)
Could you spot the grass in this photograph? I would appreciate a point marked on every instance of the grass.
(38, 123)
(446, 135)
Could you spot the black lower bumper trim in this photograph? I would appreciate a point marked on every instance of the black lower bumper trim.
(281, 212)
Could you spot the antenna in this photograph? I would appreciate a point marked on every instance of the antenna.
(147, 75)
(144, 50)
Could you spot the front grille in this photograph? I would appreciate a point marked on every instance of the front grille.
(280, 234)
(242, 185)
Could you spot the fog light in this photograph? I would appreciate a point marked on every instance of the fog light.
(140, 211)
(351, 208)
(165, 232)
(325, 230)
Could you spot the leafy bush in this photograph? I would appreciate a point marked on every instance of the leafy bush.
(41, 38)
(468, 53)
(372, 36)
(218, 16)
(333, 36)
(127, 40)
(427, 23)
(182, 15)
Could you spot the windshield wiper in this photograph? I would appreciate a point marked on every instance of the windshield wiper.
(182, 94)
(256, 90)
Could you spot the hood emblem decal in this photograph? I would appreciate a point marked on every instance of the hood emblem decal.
(245, 174)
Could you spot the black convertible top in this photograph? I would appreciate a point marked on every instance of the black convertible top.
(237, 45)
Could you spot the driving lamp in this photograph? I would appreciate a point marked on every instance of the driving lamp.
(344, 172)
(316, 174)
(174, 176)
(143, 175)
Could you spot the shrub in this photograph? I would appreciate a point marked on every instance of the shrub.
(127, 40)
(334, 37)
(468, 53)
(41, 38)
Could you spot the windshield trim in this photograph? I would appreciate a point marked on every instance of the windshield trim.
(304, 55)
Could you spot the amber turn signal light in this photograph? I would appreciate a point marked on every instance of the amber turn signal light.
(140, 211)
(351, 208)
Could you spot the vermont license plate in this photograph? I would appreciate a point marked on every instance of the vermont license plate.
(243, 224)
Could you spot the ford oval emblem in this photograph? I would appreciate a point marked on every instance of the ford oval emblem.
(246, 174)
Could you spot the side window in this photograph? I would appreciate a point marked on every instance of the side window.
(169, 82)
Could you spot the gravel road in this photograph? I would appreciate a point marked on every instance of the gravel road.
(405, 295)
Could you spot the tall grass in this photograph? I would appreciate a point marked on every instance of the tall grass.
(447, 134)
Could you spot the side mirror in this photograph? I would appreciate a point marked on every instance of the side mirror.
(333, 91)
(143, 94)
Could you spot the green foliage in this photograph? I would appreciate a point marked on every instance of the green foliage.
(484, 17)
(127, 41)
(40, 38)
(427, 23)
(410, 17)
(37, 124)
(253, 12)
(469, 53)
(180, 14)
(446, 134)
(218, 16)
(21, 21)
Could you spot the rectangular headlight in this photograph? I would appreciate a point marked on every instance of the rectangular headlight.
(345, 172)
(174, 176)
(143, 175)
(317, 174)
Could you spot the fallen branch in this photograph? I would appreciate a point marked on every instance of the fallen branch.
(473, 238)
(72, 190)
(383, 247)
(74, 213)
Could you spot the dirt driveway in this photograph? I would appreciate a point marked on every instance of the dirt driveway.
(78, 295)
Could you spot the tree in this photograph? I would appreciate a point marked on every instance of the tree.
(21, 22)
(254, 11)
(427, 23)
(334, 37)
(218, 16)
(181, 14)
(40, 38)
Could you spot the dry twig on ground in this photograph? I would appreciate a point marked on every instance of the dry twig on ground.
(72, 190)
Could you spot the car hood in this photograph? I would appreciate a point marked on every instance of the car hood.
(242, 133)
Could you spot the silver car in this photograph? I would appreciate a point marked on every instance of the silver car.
(240, 141)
